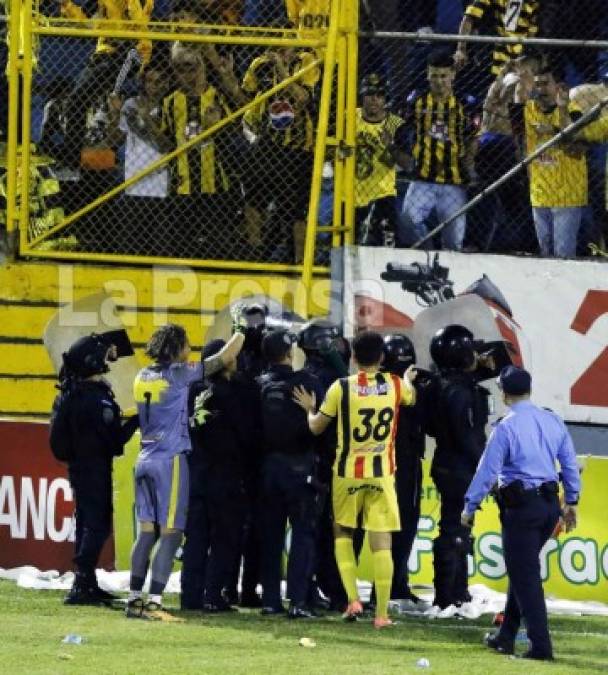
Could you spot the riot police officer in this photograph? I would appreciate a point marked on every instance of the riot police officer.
(251, 364)
(327, 358)
(521, 455)
(399, 355)
(289, 486)
(86, 430)
(222, 429)
(460, 414)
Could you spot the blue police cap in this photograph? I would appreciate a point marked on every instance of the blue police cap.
(515, 381)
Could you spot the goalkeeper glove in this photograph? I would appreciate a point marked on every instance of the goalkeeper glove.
(239, 320)
(200, 414)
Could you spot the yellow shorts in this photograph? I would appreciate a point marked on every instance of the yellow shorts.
(375, 498)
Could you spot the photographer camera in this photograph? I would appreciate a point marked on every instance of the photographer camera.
(87, 433)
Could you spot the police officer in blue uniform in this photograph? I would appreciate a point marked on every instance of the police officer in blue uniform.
(521, 456)
(86, 423)
(460, 415)
(289, 483)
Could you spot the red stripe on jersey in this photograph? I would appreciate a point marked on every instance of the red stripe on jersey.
(362, 383)
(391, 450)
(359, 467)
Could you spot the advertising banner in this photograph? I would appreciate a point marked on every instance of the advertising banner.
(554, 313)
(36, 506)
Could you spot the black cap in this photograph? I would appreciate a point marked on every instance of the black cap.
(277, 344)
(212, 348)
(372, 85)
(515, 381)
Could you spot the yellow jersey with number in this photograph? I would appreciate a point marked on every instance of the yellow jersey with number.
(558, 178)
(375, 168)
(310, 16)
(366, 406)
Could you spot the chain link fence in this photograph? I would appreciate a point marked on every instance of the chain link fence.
(442, 120)
(172, 147)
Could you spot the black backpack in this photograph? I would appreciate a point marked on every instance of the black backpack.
(60, 433)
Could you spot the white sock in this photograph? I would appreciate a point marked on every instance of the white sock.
(158, 599)
(134, 595)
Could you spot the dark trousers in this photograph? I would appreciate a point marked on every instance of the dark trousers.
(408, 482)
(91, 482)
(525, 529)
(225, 500)
(376, 223)
(196, 542)
(286, 495)
(454, 543)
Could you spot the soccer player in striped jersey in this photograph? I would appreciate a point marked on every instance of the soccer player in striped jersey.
(439, 135)
(366, 408)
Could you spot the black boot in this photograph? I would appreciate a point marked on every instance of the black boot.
(444, 565)
(82, 593)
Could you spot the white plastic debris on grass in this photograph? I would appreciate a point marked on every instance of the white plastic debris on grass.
(51, 580)
(485, 600)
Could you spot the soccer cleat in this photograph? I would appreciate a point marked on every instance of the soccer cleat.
(383, 622)
(492, 641)
(354, 611)
(134, 608)
(154, 612)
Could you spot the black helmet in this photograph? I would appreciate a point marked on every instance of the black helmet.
(87, 356)
(399, 353)
(453, 347)
(317, 335)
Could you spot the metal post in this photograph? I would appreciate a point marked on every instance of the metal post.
(352, 9)
(302, 296)
(27, 58)
(13, 115)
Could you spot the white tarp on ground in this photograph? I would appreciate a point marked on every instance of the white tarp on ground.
(485, 600)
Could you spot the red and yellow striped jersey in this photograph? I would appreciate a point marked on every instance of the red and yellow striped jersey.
(366, 406)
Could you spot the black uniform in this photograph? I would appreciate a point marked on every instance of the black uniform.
(224, 440)
(460, 417)
(326, 569)
(409, 452)
(97, 436)
(288, 487)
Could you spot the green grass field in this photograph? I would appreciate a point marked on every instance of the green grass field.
(34, 623)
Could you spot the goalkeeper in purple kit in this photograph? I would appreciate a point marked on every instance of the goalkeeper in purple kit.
(161, 472)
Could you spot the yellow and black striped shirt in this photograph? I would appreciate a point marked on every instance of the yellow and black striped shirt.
(509, 18)
(280, 119)
(200, 169)
(440, 130)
